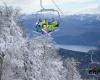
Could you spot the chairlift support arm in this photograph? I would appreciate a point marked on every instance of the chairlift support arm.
(41, 5)
(44, 9)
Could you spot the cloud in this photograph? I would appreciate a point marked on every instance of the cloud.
(81, 7)
(89, 9)
(67, 6)
(27, 6)
(76, 1)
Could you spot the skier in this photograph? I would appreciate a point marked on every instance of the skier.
(38, 26)
(44, 26)
(53, 25)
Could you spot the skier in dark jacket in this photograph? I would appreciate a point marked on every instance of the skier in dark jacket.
(38, 26)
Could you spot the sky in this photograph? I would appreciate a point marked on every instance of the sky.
(66, 6)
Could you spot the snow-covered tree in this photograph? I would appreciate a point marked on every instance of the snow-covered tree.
(22, 59)
(26, 60)
(73, 73)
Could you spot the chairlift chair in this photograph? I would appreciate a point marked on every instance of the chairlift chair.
(93, 65)
(43, 14)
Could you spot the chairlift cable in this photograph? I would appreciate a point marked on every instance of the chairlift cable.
(59, 10)
(57, 6)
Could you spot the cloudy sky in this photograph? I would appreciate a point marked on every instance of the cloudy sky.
(67, 6)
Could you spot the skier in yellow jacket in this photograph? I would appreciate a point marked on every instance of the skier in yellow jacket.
(44, 26)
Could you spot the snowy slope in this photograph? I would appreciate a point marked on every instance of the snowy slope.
(21, 59)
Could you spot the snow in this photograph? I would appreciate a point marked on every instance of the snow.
(36, 59)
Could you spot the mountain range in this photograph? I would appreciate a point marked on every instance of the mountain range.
(83, 29)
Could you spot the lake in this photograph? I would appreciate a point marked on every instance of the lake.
(80, 48)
